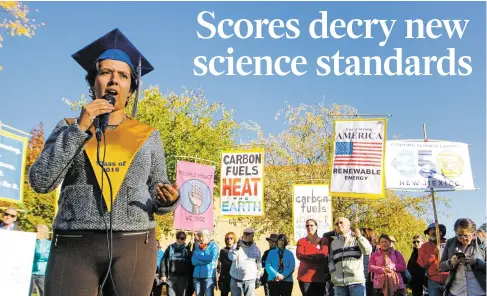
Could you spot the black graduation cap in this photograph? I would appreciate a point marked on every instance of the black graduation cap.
(113, 46)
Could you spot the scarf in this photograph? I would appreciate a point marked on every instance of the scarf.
(280, 266)
(391, 280)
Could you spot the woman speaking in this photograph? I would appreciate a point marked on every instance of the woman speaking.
(112, 185)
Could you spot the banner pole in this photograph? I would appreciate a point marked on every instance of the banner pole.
(437, 227)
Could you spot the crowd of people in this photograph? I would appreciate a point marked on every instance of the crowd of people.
(342, 262)
(121, 195)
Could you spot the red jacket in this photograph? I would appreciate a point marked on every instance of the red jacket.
(313, 266)
(428, 259)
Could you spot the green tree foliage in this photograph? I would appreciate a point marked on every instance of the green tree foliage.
(300, 154)
(189, 126)
(36, 208)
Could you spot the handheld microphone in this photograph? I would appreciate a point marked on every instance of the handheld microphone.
(101, 121)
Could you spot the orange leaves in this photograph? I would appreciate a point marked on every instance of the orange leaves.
(16, 22)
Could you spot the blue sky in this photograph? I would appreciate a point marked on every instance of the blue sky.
(38, 72)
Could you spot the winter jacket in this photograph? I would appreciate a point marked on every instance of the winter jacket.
(346, 259)
(205, 261)
(246, 263)
(428, 259)
(476, 249)
(41, 255)
(417, 272)
(272, 265)
(176, 261)
(377, 264)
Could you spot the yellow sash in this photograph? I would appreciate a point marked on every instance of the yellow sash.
(122, 144)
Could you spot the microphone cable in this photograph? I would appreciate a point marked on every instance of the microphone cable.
(108, 229)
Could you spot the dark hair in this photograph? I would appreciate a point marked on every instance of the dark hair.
(465, 223)
(181, 232)
(385, 236)
(93, 72)
(282, 237)
(314, 221)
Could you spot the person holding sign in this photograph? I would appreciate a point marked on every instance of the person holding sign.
(346, 259)
(112, 186)
(428, 259)
(312, 251)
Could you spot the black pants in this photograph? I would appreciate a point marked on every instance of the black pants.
(177, 285)
(79, 260)
(266, 289)
(281, 288)
(369, 288)
(224, 284)
(312, 289)
(156, 290)
(417, 290)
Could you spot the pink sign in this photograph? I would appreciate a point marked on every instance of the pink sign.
(195, 183)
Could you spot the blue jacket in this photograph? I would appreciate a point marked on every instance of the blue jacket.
(43, 247)
(272, 265)
(205, 261)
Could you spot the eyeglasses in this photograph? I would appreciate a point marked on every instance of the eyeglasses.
(310, 225)
(181, 237)
(416, 242)
(8, 214)
(248, 233)
(467, 236)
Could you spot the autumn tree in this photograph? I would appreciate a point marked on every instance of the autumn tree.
(36, 208)
(301, 153)
(16, 21)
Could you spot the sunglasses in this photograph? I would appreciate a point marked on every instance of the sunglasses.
(8, 214)
(310, 225)
(181, 237)
(248, 233)
(416, 242)
(464, 236)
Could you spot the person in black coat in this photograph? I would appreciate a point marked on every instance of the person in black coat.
(417, 272)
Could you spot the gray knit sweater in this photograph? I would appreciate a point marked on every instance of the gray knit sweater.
(81, 205)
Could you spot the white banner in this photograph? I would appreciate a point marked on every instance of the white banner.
(17, 249)
(438, 165)
(242, 183)
(311, 202)
(358, 158)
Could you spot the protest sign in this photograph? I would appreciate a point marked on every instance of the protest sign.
(195, 182)
(13, 152)
(242, 183)
(311, 202)
(17, 248)
(432, 165)
(358, 158)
